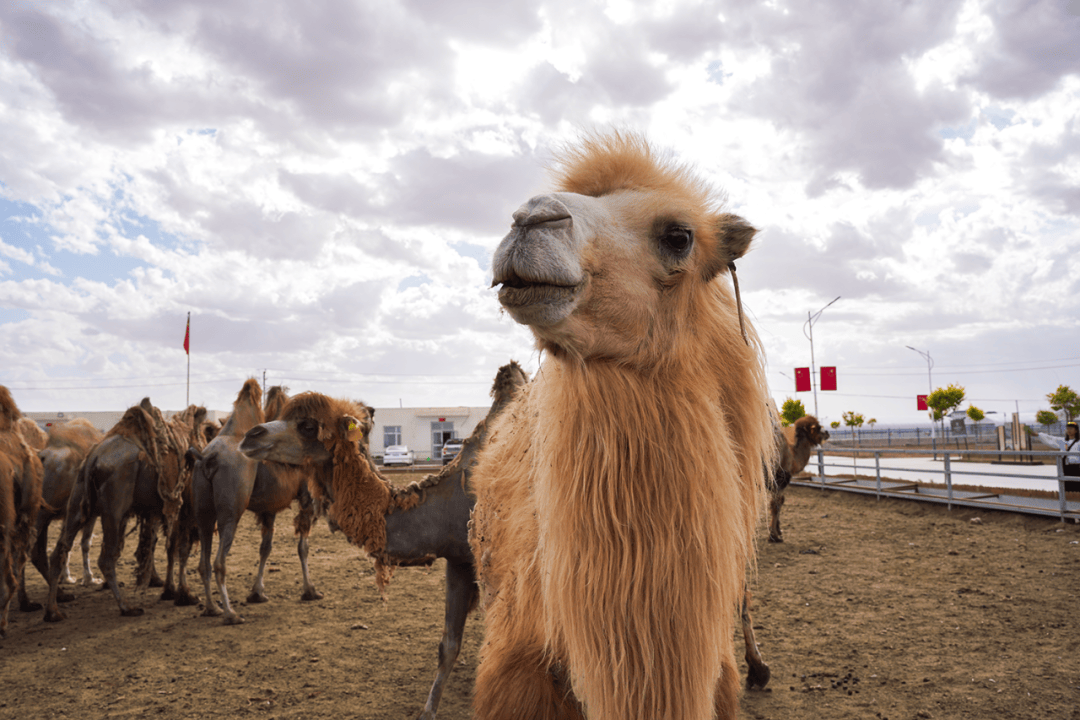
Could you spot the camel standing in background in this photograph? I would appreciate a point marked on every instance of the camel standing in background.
(226, 484)
(68, 445)
(136, 470)
(793, 460)
(21, 476)
(611, 562)
(422, 521)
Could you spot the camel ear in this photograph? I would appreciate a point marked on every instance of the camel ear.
(353, 428)
(733, 237)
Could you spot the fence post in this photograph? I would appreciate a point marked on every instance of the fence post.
(948, 478)
(1061, 485)
(877, 469)
(821, 467)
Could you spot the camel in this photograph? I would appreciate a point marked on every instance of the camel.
(793, 460)
(421, 522)
(226, 483)
(67, 446)
(20, 498)
(32, 433)
(136, 470)
(617, 497)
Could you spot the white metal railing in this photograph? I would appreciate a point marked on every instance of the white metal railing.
(947, 472)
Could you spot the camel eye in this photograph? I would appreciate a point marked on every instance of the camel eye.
(307, 428)
(677, 240)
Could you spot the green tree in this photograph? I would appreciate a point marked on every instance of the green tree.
(1046, 418)
(834, 424)
(1065, 399)
(944, 400)
(791, 411)
(977, 416)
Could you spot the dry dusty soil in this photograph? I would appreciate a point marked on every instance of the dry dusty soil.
(890, 609)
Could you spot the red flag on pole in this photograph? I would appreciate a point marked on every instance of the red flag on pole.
(187, 335)
(802, 379)
(828, 378)
(921, 400)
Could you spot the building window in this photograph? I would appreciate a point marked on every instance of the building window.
(391, 435)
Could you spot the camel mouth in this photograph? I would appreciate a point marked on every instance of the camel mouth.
(536, 302)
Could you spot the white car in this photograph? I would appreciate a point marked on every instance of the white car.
(398, 455)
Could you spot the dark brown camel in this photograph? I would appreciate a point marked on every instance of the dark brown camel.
(423, 521)
(68, 445)
(793, 460)
(20, 498)
(137, 470)
(226, 483)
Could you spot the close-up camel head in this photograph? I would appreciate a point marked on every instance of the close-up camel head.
(611, 264)
(807, 427)
(308, 428)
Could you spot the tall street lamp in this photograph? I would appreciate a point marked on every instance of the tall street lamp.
(929, 367)
(808, 331)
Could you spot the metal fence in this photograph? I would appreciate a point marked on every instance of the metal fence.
(868, 478)
(888, 437)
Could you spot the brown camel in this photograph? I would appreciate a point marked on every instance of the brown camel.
(226, 484)
(136, 470)
(617, 497)
(67, 447)
(21, 476)
(793, 460)
(423, 521)
(32, 433)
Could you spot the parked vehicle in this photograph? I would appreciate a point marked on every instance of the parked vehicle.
(398, 455)
(450, 449)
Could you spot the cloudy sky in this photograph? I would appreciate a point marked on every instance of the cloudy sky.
(321, 185)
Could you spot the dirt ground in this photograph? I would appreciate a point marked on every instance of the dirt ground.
(891, 609)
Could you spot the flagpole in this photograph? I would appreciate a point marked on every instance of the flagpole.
(187, 348)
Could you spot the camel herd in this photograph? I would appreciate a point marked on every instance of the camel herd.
(607, 564)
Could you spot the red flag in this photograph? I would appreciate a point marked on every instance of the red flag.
(921, 400)
(802, 379)
(828, 378)
(187, 336)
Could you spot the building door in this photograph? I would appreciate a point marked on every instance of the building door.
(441, 431)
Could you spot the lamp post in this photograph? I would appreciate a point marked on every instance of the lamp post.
(930, 388)
(809, 326)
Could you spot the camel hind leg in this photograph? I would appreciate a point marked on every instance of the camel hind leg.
(757, 672)
(521, 682)
(258, 588)
(87, 579)
(112, 544)
(461, 596)
(303, 523)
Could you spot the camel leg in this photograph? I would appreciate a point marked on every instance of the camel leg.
(757, 672)
(147, 574)
(39, 557)
(112, 543)
(88, 579)
(303, 523)
(776, 501)
(68, 530)
(461, 595)
(726, 699)
(206, 547)
(185, 539)
(226, 533)
(258, 588)
(521, 682)
(7, 586)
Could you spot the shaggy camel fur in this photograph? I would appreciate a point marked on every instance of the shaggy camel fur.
(793, 460)
(424, 521)
(20, 498)
(136, 470)
(617, 497)
(226, 484)
(68, 445)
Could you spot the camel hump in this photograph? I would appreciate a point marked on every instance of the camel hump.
(9, 411)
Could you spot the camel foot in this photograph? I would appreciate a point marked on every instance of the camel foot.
(757, 676)
(185, 599)
(211, 611)
(156, 582)
(90, 582)
(131, 612)
(64, 596)
(30, 606)
(776, 538)
(233, 620)
(257, 597)
(54, 616)
(310, 595)
(168, 594)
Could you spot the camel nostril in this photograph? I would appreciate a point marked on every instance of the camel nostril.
(542, 210)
